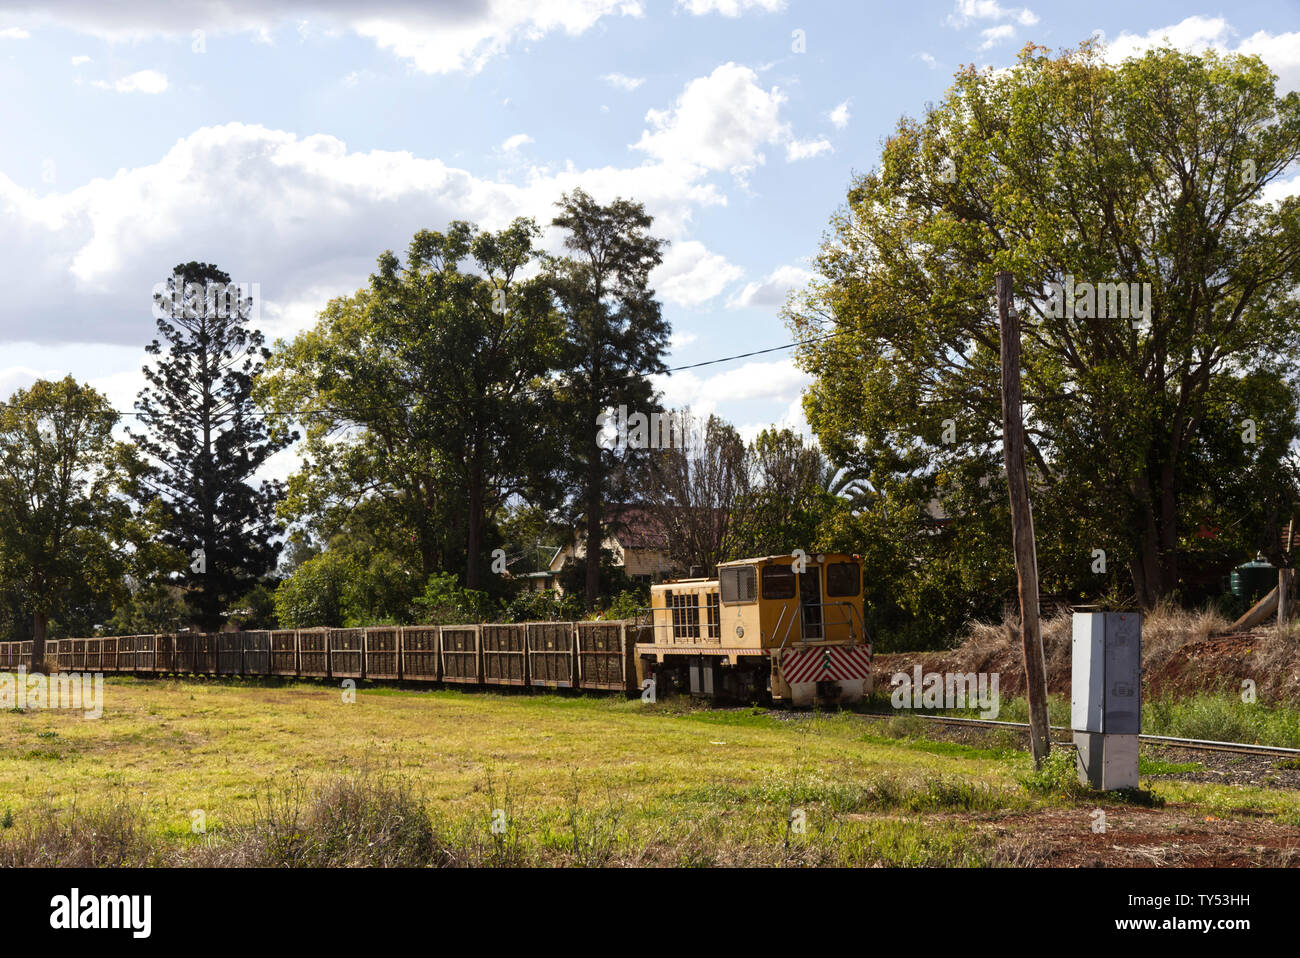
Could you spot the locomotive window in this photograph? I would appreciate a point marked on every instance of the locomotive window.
(778, 582)
(843, 579)
(714, 616)
(686, 615)
(738, 584)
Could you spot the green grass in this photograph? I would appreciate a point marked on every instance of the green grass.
(1152, 766)
(1224, 719)
(1212, 717)
(287, 774)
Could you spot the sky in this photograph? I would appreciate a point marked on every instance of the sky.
(291, 142)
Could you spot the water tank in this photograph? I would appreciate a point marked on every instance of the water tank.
(1252, 580)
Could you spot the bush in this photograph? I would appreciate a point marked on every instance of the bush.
(1059, 775)
(338, 589)
(149, 609)
(313, 595)
(626, 605)
(546, 606)
(113, 834)
(613, 578)
(444, 602)
(1223, 719)
(256, 610)
(382, 589)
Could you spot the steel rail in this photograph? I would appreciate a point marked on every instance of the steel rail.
(1246, 748)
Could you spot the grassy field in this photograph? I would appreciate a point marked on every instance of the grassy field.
(291, 774)
(1221, 718)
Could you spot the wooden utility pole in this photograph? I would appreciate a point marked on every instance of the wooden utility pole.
(1283, 597)
(1286, 574)
(1022, 522)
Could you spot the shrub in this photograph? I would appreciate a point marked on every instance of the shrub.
(546, 606)
(313, 595)
(444, 602)
(626, 605)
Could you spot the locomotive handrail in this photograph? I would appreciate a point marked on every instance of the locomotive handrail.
(778, 625)
(853, 610)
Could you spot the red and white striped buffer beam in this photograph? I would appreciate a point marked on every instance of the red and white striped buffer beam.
(828, 663)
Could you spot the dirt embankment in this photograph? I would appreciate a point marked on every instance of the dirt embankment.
(1182, 654)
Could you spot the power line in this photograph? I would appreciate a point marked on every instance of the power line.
(668, 372)
(322, 410)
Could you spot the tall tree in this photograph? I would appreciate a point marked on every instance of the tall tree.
(368, 459)
(616, 337)
(206, 440)
(64, 524)
(431, 391)
(1094, 177)
(698, 491)
(788, 498)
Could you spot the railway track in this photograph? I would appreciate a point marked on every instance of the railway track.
(1241, 748)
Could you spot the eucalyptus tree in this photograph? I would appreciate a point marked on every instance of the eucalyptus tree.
(425, 396)
(615, 338)
(1156, 283)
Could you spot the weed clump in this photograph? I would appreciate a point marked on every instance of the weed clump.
(1058, 776)
(353, 822)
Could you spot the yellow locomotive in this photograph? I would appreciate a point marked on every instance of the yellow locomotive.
(788, 625)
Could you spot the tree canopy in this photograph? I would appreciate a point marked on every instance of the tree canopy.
(1144, 424)
(66, 526)
(205, 440)
(425, 397)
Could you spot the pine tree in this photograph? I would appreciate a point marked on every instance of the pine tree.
(616, 337)
(205, 439)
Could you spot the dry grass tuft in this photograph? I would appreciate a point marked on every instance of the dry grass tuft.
(1183, 652)
(110, 834)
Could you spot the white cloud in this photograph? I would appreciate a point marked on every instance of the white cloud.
(680, 340)
(442, 39)
(1281, 52)
(14, 33)
(14, 378)
(771, 293)
(1195, 34)
(113, 370)
(804, 149)
(722, 122)
(1276, 190)
(623, 82)
(995, 35)
(691, 275)
(966, 12)
(305, 217)
(792, 418)
(144, 81)
(776, 381)
(730, 8)
(435, 37)
(78, 61)
(512, 143)
(121, 388)
(928, 60)
(719, 122)
(302, 216)
(840, 116)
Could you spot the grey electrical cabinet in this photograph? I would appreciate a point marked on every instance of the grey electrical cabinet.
(1106, 673)
(1106, 697)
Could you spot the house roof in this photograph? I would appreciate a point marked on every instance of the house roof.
(636, 527)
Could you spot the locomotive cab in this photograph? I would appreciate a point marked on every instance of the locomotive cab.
(789, 625)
